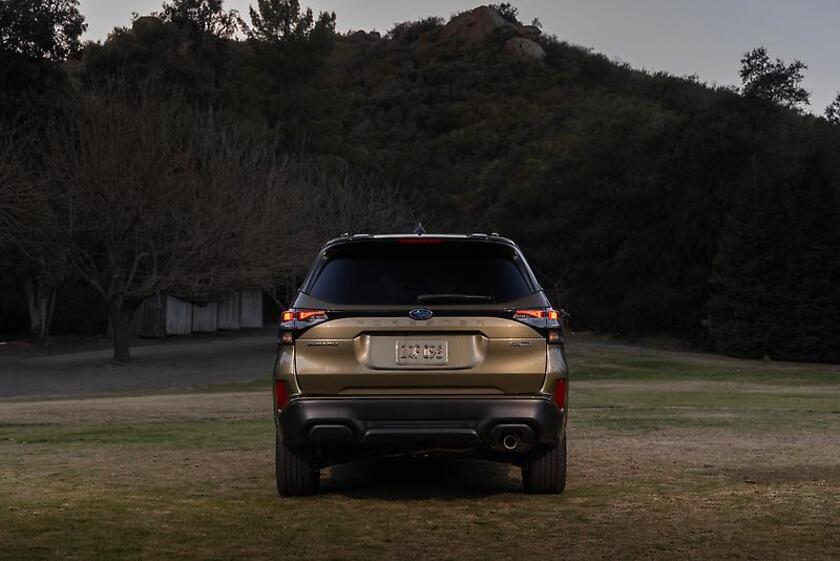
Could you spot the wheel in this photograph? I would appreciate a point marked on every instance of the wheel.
(295, 469)
(545, 472)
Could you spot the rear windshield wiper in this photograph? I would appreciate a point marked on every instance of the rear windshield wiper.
(456, 298)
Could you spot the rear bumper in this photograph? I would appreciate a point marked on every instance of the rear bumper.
(420, 423)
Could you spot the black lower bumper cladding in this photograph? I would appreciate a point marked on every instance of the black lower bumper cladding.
(422, 422)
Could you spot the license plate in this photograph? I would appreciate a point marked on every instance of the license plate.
(417, 352)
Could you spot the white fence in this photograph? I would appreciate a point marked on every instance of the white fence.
(161, 316)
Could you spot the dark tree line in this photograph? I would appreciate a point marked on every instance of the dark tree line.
(648, 204)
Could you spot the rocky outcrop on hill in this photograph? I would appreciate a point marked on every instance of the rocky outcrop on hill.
(479, 24)
(524, 49)
(473, 26)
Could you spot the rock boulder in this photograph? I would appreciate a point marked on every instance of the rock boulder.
(524, 49)
(473, 26)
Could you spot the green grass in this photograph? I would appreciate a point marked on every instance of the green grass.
(655, 400)
(261, 384)
(655, 391)
(255, 385)
(605, 362)
(198, 434)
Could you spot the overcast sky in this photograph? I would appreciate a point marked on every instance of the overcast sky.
(703, 37)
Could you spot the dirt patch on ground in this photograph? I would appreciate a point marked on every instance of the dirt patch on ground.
(698, 454)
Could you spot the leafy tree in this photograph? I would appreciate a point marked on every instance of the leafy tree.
(157, 54)
(202, 18)
(277, 75)
(282, 21)
(411, 31)
(289, 43)
(34, 34)
(773, 81)
(183, 48)
(779, 257)
(41, 29)
(507, 11)
(832, 112)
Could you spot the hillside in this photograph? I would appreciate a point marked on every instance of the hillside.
(648, 204)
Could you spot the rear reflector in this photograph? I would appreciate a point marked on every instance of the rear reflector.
(281, 394)
(560, 393)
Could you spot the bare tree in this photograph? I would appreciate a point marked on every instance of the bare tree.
(19, 195)
(322, 203)
(158, 198)
(28, 228)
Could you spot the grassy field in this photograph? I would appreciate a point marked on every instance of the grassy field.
(672, 455)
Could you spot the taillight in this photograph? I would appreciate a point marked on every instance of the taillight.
(294, 320)
(544, 320)
(551, 315)
(299, 319)
(303, 315)
(560, 393)
(281, 394)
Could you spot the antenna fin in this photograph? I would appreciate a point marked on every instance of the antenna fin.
(419, 230)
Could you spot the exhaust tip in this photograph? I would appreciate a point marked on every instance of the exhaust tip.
(510, 442)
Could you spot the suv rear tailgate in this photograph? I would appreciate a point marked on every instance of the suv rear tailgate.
(476, 355)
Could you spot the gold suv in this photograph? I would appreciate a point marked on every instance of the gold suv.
(407, 344)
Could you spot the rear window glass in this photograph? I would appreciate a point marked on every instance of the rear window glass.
(393, 273)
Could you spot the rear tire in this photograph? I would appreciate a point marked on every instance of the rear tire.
(295, 470)
(545, 472)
